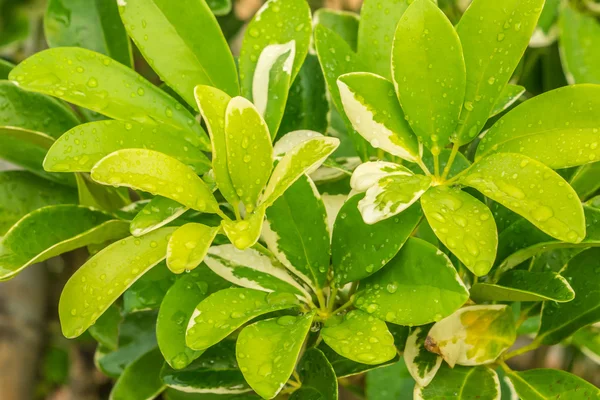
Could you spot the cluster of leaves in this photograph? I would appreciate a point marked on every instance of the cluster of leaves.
(366, 189)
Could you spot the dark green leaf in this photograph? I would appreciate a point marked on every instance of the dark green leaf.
(141, 379)
(461, 383)
(148, 292)
(106, 328)
(538, 384)
(317, 377)
(344, 23)
(392, 382)
(344, 367)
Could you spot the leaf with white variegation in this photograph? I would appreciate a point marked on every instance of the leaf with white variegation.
(373, 110)
(267, 351)
(421, 363)
(509, 95)
(464, 224)
(188, 246)
(245, 233)
(158, 212)
(473, 335)
(532, 190)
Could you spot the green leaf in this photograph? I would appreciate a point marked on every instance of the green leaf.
(436, 71)
(245, 233)
(532, 190)
(216, 371)
(209, 325)
(157, 173)
(296, 232)
(580, 36)
(148, 292)
(5, 68)
(494, 36)
(267, 351)
(145, 369)
(418, 286)
(390, 189)
(33, 111)
(295, 163)
(344, 23)
(473, 335)
(376, 31)
(317, 377)
(192, 59)
(344, 367)
(106, 329)
(421, 363)
(105, 198)
(95, 26)
(27, 149)
(561, 320)
(249, 268)
(219, 7)
(461, 383)
(359, 337)
(307, 106)
(358, 249)
(585, 181)
(188, 246)
(213, 106)
(389, 383)
(265, 30)
(96, 82)
(524, 286)
(464, 224)
(171, 394)
(587, 340)
(176, 309)
(71, 227)
(373, 109)
(522, 240)
(156, 213)
(82, 147)
(249, 150)
(22, 192)
(509, 95)
(106, 276)
(539, 384)
(563, 120)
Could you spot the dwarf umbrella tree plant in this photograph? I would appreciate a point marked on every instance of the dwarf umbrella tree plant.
(247, 239)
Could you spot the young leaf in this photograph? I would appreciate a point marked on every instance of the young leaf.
(436, 71)
(33, 111)
(580, 35)
(359, 250)
(97, 82)
(157, 213)
(176, 310)
(375, 32)
(82, 147)
(188, 246)
(418, 286)
(464, 224)
(251, 269)
(145, 369)
(216, 371)
(22, 192)
(249, 150)
(295, 163)
(157, 173)
(391, 382)
(95, 26)
(461, 383)
(105, 276)
(267, 351)
(213, 106)
(494, 36)
(359, 337)
(317, 377)
(532, 190)
(561, 320)
(344, 23)
(192, 59)
(520, 285)
(421, 363)
(296, 232)
(267, 29)
(509, 95)
(551, 383)
(373, 109)
(245, 233)
(209, 325)
(564, 120)
(473, 335)
(72, 227)
(27, 149)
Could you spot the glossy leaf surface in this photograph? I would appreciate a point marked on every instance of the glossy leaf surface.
(188, 246)
(317, 377)
(421, 363)
(461, 383)
(548, 383)
(145, 369)
(156, 213)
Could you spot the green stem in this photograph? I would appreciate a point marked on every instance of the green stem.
(450, 160)
(332, 297)
(530, 347)
(436, 165)
(344, 306)
(423, 166)
(321, 299)
(223, 215)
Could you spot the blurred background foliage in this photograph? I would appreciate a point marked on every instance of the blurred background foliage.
(565, 49)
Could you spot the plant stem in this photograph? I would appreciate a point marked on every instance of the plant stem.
(423, 166)
(223, 215)
(344, 306)
(332, 296)
(321, 300)
(531, 346)
(450, 160)
(436, 165)
(505, 367)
